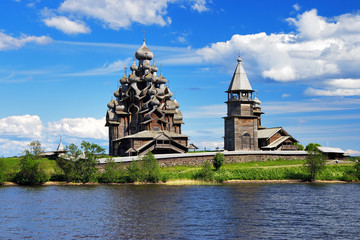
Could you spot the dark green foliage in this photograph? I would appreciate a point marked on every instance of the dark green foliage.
(112, 173)
(218, 161)
(68, 167)
(299, 146)
(311, 147)
(205, 173)
(31, 172)
(135, 173)
(150, 168)
(2, 171)
(314, 164)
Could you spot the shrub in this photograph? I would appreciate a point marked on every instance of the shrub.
(205, 173)
(31, 172)
(134, 171)
(218, 161)
(151, 169)
(2, 171)
(112, 172)
(314, 163)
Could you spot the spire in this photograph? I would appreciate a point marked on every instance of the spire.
(60, 146)
(239, 81)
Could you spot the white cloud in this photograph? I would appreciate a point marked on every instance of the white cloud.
(344, 83)
(79, 127)
(66, 25)
(8, 42)
(104, 70)
(10, 147)
(117, 14)
(296, 7)
(321, 47)
(285, 95)
(26, 126)
(199, 5)
(335, 92)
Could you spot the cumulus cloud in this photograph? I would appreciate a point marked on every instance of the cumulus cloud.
(334, 92)
(12, 147)
(8, 42)
(66, 25)
(79, 127)
(319, 48)
(117, 14)
(26, 126)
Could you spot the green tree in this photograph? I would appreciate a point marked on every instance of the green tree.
(85, 167)
(134, 171)
(314, 163)
(298, 146)
(73, 152)
(31, 171)
(150, 168)
(311, 147)
(112, 172)
(35, 148)
(218, 161)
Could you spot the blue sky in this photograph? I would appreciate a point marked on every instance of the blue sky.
(60, 62)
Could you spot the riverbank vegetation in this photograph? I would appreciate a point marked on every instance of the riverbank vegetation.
(80, 166)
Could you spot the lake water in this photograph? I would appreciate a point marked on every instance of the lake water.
(236, 211)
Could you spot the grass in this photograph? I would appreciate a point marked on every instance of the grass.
(279, 169)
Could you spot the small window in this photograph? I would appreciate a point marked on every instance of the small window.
(156, 129)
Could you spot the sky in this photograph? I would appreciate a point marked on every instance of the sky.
(60, 62)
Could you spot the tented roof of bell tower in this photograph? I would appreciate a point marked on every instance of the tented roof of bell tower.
(239, 81)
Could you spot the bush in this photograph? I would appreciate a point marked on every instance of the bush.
(205, 173)
(151, 169)
(68, 167)
(218, 161)
(314, 163)
(2, 171)
(31, 172)
(112, 172)
(135, 173)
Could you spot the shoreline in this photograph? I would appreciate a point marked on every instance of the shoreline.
(186, 182)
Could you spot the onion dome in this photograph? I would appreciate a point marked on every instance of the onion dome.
(144, 53)
(161, 79)
(117, 93)
(177, 105)
(154, 102)
(134, 67)
(146, 64)
(111, 104)
(123, 80)
(120, 107)
(154, 68)
(257, 102)
(148, 77)
(134, 78)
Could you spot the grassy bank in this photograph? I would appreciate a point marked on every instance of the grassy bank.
(268, 170)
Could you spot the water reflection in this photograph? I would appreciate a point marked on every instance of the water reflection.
(244, 211)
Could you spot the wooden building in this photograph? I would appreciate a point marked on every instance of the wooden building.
(243, 129)
(143, 117)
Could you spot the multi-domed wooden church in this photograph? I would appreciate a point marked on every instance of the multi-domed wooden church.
(144, 117)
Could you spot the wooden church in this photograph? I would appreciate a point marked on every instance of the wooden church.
(143, 116)
(243, 130)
